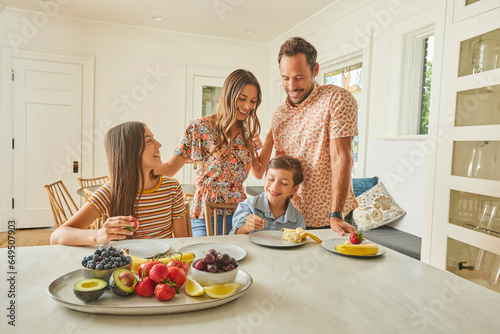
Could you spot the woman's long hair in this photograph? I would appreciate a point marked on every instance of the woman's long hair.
(124, 146)
(227, 111)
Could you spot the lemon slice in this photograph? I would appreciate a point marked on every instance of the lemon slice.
(193, 288)
(222, 290)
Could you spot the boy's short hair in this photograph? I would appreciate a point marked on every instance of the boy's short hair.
(288, 163)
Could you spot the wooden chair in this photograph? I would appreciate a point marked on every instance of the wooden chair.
(211, 210)
(188, 220)
(61, 203)
(188, 197)
(96, 181)
(63, 206)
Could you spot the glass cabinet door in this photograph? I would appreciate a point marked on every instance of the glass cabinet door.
(465, 238)
(464, 9)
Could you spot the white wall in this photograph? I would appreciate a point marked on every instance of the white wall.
(399, 166)
(124, 56)
(345, 29)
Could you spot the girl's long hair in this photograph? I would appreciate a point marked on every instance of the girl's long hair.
(227, 112)
(124, 146)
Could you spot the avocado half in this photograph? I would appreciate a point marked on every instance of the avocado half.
(122, 282)
(89, 289)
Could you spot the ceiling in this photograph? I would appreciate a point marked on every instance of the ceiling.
(269, 19)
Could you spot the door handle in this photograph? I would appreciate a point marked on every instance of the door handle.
(75, 166)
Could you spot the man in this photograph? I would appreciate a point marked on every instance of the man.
(316, 125)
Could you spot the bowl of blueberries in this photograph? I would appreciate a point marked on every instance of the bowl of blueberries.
(103, 262)
(215, 268)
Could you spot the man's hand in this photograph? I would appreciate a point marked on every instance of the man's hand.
(341, 226)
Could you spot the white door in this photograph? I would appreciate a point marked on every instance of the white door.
(47, 116)
(206, 93)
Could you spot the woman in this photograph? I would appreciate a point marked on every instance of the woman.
(223, 146)
(134, 190)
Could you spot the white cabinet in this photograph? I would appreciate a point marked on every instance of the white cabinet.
(463, 235)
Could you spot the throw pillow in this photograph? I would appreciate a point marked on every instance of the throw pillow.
(376, 208)
(360, 185)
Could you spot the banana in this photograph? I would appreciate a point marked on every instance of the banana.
(137, 261)
(361, 249)
(312, 236)
(298, 235)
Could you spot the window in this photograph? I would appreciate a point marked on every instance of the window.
(349, 77)
(417, 72)
(425, 85)
(210, 100)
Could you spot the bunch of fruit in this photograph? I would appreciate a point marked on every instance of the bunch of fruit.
(106, 258)
(162, 280)
(215, 262)
(162, 257)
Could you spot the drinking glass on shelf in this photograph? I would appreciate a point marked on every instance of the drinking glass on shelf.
(495, 275)
(485, 55)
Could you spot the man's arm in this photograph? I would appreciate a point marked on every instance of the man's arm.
(340, 155)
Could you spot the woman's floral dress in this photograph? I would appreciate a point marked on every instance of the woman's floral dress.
(220, 174)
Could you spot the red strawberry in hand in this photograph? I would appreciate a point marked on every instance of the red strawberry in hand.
(356, 238)
(135, 226)
(166, 291)
(146, 287)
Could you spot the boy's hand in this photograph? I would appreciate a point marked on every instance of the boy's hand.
(253, 223)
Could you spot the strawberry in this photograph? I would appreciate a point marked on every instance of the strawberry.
(159, 272)
(166, 290)
(132, 228)
(356, 238)
(145, 287)
(145, 268)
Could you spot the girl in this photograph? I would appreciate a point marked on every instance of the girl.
(134, 190)
(223, 146)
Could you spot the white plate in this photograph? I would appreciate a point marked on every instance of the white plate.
(200, 250)
(61, 290)
(142, 247)
(331, 243)
(272, 239)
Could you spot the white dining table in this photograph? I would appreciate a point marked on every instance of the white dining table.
(304, 289)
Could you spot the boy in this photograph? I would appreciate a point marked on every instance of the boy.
(272, 210)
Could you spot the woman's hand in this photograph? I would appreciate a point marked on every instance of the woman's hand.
(253, 223)
(114, 229)
(258, 168)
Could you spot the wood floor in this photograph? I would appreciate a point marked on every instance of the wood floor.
(28, 237)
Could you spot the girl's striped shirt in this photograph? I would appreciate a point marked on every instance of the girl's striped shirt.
(157, 207)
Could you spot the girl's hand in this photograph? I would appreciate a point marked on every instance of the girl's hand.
(253, 223)
(113, 229)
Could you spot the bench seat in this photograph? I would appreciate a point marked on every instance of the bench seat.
(397, 240)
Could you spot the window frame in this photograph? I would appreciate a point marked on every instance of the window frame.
(412, 64)
(400, 73)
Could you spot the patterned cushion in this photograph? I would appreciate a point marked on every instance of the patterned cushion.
(376, 208)
(360, 185)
